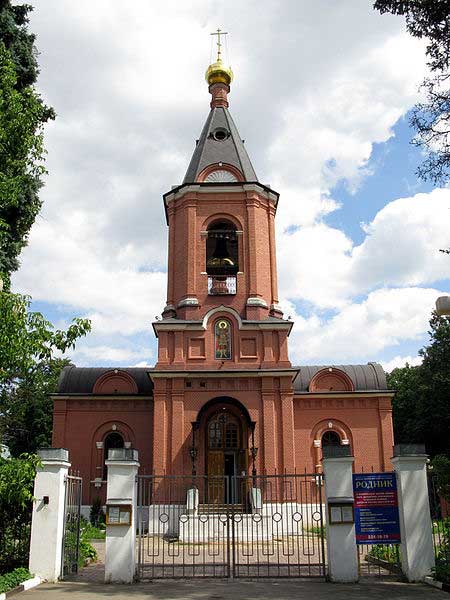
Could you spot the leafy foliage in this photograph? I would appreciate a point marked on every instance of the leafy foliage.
(96, 515)
(421, 405)
(26, 407)
(431, 119)
(13, 579)
(27, 337)
(22, 115)
(91, 532)
(29, 371)
(87, 553)
(441, 471)
(16, 496)
(425, 18)
(28, 342)
(405, 404)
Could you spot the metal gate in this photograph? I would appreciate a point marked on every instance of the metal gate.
(272, 527)
(71, 532)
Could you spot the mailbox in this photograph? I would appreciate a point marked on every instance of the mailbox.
(340, 511)
(118, 514)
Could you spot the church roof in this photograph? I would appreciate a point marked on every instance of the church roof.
(210, 150)
(81, 380)
(365, 378)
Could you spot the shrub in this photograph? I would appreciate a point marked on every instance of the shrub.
(8, 581)
(97, 516)
(16, 497)
(87, 553)
(442, 573)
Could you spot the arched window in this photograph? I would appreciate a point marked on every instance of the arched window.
(112, 440)
(330, 438)
(222, 339)
(223, 432)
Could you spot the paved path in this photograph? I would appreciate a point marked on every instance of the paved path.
(235, 590)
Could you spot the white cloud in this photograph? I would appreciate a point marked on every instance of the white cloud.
(107, 353)
(399, 362)
(362, 330)
(85, 276)
(403, 241)
(401, 248)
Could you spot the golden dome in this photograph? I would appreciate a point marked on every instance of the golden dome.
(218, 73)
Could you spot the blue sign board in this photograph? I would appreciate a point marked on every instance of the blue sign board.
(376, 508)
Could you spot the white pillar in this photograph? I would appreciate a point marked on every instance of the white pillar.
(47, 525)
(120, 559)
(341, 539)
(415, 521)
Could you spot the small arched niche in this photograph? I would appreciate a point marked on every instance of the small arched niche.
(331, 380)
(115, 382)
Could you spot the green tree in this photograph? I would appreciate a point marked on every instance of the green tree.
(430, 19)
(28, 342)
(26, 407)
(435, 383)
(29, 370)
(421, 406)
(26, 338)
(406, 382)
(22, 116)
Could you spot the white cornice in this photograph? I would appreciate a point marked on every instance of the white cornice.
(228, 189)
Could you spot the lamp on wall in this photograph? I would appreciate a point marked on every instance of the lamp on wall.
(253, 450)
(193, 449)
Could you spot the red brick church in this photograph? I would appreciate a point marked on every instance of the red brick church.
(223, 397)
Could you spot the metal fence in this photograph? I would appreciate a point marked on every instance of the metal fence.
(440, 522)
(262, 526)
(71, 533)
(379, 560)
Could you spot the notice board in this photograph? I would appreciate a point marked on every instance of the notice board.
(376, 508)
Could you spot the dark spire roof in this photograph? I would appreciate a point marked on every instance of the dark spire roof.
(211, 151)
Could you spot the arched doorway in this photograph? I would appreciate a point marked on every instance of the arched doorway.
(224, 425)
(112, 440)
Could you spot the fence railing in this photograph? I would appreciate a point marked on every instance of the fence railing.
(440, 519)
(222, 286)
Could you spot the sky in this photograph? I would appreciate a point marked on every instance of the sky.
(321, 95)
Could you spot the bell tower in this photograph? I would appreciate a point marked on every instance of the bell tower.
(221, 223)
(222, 339)
(222, 254)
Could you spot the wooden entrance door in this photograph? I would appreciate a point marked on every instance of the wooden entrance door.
(223, 443)
(216, 469)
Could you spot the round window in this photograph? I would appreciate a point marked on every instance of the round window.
(220, 134)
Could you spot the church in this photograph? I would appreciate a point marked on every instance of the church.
(223, 398)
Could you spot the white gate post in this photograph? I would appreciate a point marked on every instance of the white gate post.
(341, 539)
(414, 510)
(47, 525)
(121, 491)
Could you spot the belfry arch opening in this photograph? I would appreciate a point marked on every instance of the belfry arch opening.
(222, 258)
